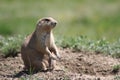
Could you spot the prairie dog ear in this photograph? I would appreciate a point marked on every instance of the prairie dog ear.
(39, 23)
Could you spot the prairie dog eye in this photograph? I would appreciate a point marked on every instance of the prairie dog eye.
(47, 20)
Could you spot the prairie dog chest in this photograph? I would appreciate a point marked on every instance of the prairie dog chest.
(46, 39)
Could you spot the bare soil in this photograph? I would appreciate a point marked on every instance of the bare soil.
(74, 65)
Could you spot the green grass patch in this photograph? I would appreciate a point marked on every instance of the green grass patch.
(85, 44)
(116, 68)
(10, 46)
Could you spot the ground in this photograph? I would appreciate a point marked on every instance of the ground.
(74, 65)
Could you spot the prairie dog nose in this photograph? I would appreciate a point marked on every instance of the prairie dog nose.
(54, 23)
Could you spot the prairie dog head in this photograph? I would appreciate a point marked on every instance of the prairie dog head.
(46, 23)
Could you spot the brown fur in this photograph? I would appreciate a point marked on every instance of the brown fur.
(39, 51)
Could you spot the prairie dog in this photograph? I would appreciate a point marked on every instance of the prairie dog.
(39, 51)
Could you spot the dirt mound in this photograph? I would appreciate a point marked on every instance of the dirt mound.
(74, 66)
